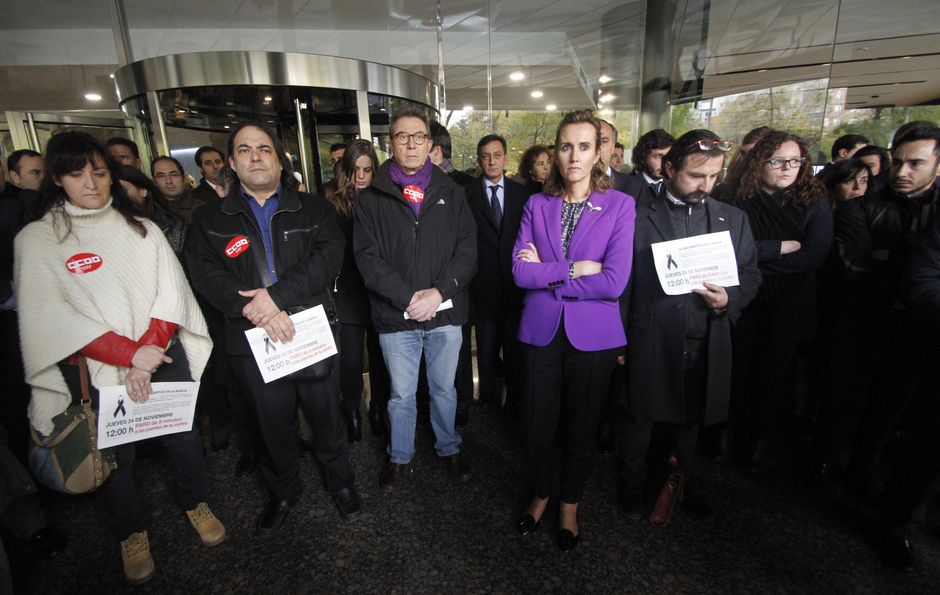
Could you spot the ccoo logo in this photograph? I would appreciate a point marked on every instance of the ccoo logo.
(84, 262)
(235, 247)
(413, 194)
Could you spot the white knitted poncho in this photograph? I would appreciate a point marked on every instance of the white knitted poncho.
(102, 276)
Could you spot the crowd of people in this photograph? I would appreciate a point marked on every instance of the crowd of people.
(589, 334)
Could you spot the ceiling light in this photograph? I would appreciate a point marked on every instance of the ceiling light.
(517, 76)
(468, 108)
(609, 97)
(226, 127)
(269, 98)
(762, 70)
(905, 57)
(92, 97)
(536, 94)
(604, 79)
(551, 107)
(111, 75)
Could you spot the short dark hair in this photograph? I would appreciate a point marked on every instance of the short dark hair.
(619, 146)
(923, 131)
(843, 171)
(409, 111)
(202, 151)
(905, 128)
(179, 165)
(687, 144)
(489, 138)
(847, 142)
(654, 139)
(440, 138)
(875, 150)
(120, 140)
(287, 168)
(13, 161)
(337, 146)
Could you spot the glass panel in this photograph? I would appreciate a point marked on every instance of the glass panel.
(45, 130)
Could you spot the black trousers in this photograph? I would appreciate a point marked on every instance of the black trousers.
(463, 380)
(682, 437)
(493, 335)
(564, 390)
(275, 408)
(184, 450)
(356, 338)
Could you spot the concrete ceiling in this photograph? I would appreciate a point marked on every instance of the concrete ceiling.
(52, 52)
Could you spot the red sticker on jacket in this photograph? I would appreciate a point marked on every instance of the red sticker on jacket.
(413, 194)
(82, 263)
(238, 245)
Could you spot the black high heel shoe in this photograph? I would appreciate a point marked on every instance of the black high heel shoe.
(528, 524)
(566, 539)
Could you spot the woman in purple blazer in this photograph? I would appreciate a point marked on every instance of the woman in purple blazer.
(573, 255)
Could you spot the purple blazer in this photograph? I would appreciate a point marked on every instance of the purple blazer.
(590, 304)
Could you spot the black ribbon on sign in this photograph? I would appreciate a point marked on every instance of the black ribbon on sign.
(120, 408)
(670, 262)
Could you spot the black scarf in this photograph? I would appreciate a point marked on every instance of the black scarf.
(776, 217)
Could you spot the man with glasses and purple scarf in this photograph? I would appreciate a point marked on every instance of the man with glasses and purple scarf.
(679, 355)
(414, 238)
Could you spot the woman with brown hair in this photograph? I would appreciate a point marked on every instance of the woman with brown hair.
(354, 174)
(534, 167)
(792, 224)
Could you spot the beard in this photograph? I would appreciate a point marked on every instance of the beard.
(693, 198)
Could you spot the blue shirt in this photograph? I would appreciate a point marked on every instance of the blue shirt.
(263, 215)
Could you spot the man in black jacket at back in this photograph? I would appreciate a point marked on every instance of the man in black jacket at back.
(262, 250)
(415, 244)
(496, 203)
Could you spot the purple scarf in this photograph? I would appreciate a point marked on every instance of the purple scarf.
(421, 179)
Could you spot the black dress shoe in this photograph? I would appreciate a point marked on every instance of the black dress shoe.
(527, 524)
(275, 514)
(354, 425)
(392, 475)
(632, 506)
(349, 503)
(567, 540)
(247, 464)
(461, 418)
(457, 467)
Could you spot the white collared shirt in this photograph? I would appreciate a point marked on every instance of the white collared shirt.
(500, 192)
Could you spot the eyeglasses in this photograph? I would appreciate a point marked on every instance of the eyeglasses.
(707, 144)
(777, 163)
(401, 138)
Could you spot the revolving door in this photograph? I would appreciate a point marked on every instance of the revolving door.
(185, 101)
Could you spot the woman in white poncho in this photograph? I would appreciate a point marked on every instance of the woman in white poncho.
(94, 279)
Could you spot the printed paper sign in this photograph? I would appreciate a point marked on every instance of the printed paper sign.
(313, 341)
(686, 264)
(169, 410)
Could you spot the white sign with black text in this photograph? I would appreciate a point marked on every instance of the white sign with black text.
(313, 341)
(169, 410)
(686, 264)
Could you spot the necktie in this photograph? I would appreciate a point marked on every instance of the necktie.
(494, 204)
(656, 186)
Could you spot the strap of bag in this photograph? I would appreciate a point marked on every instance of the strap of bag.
(83, 376)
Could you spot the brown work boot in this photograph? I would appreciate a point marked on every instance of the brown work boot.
(138, 564)
(211, 530)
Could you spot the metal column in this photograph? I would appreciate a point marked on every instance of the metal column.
(658, 59)
(302, 144)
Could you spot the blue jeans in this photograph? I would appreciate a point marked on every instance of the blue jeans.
(402, 352)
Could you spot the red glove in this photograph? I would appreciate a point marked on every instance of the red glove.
(158, 334)
(111, 348)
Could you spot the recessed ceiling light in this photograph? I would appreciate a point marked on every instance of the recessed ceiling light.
(536, 94)
(226, 126)
(604, 79)
(269, 98)
(905, 57)
(551, 107)
(762, 70)
(608, 98)
(468, 108)
(111, 75)
(517, 76)
(92, 97)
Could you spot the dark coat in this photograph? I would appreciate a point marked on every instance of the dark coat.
(352, 298)
(399, 254)
(205, 192)
(620, 181)
(657, 322)
(308, 254)
(494, 292)
(636, 186)
(922, 289)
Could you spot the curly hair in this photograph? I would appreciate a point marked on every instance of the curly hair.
(654, 139)
(555, 183)
(70, 151)
(805, 189)
(342, 197)
(527, 162)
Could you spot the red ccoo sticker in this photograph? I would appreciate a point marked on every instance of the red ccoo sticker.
(413, 194)
(238, 245)
(85, 262)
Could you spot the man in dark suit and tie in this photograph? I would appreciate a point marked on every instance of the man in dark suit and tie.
(608, 143)
(646, 181)
(496, 203)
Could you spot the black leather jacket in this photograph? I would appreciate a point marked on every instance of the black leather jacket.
(225, 254)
